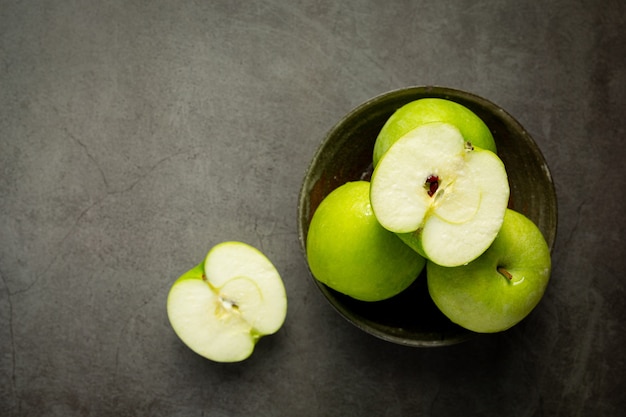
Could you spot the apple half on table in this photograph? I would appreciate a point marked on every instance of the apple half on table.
(221, 308)
(443, 196)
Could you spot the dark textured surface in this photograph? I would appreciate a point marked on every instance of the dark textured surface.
(135, 135)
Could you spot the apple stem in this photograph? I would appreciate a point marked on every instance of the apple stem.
(504, 272)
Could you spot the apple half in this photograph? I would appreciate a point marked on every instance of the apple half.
(220, 308)
(444, 197)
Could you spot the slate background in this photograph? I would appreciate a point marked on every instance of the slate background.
(136, 134)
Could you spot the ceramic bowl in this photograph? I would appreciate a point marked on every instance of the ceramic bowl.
(345, 154)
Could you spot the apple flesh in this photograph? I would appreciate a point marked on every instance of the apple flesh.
(350, 252)
(442, 196)
(502, 286)
(428, 110)
(220, 308)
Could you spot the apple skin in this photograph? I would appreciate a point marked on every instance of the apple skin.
(350, 252)
(196, 272)
(478, 297)
(427, 110)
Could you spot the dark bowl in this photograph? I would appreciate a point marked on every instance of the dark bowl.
(411, 318)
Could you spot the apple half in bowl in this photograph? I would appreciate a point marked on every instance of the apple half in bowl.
(346, 154)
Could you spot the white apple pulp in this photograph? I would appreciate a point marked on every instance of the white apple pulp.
(461, 218)
(222, 307)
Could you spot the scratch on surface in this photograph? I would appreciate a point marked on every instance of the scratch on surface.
(59, 251)
(72, 228)
(575, 383)
(574, 228)
(260, 236)
(97, 202)
(435, 400)
(140, 177)
(128, 322)
(91, 158)
(152, 168)
(12, 336)
(263, 235)
(324, 36)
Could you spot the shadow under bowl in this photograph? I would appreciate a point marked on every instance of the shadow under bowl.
(411, 318)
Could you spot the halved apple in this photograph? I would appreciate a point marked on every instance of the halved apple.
(220, 308)
(444, 197)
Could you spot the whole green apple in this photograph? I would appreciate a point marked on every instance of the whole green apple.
(502, 286)
(350, 252)
(428, 110)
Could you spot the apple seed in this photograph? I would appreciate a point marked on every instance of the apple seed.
(432, 184)
(228, 304)
(224, 303)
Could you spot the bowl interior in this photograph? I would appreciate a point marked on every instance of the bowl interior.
(411, 318)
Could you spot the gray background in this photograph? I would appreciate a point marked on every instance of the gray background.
(134, 135)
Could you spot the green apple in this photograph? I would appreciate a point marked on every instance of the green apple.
(350, 252)
(443, 197)
(427, 110)
(501, 287)
(220, 308)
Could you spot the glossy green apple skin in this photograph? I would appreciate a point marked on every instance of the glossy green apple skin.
(428, 110)
(350, 252)
(478, 297)
(197, 272)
